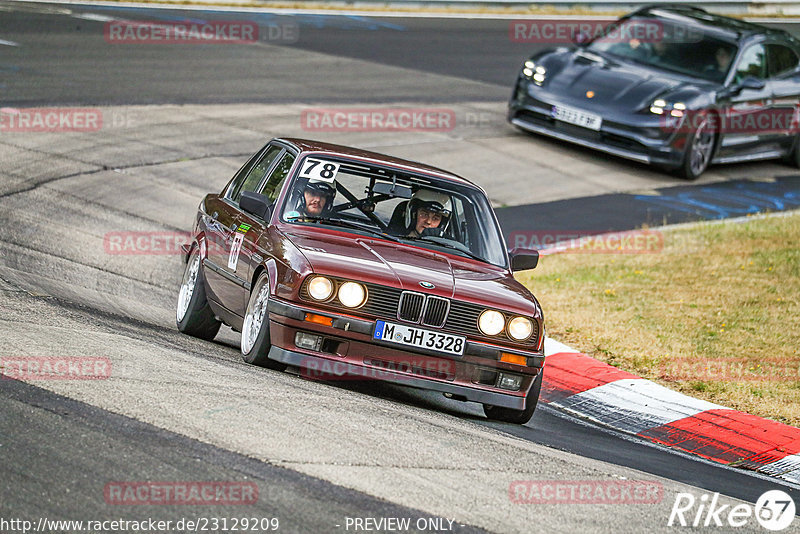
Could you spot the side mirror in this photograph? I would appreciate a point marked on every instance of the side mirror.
(255, 204)
(523, 259)
(750, 82)
(393, 190)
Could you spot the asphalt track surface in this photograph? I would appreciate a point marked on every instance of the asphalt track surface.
(319, 452)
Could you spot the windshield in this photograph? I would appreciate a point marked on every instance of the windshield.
(667, 45)
(382, 201)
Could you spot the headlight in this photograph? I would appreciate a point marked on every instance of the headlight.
(520, 328)
(352, 294)
(320, 288)
(491, 322)
(661, 107)
(535, 72)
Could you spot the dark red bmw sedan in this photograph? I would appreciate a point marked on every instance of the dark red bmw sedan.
(347, 263)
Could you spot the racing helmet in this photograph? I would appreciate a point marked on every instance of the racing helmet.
(319, 187)
(432, 201)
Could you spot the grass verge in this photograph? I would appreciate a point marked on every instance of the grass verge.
(714, 313)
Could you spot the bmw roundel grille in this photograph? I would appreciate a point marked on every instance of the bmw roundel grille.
(436, 311)
(420, 308)
(411, 306)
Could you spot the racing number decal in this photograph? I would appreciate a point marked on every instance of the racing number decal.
(317, 169)
(236, 246)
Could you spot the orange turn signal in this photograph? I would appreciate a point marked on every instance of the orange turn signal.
(513, 358)
(318, 319)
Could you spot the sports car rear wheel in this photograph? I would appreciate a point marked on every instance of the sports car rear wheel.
(699, 148)
(519, 417)
(255, 331)
(194, 316)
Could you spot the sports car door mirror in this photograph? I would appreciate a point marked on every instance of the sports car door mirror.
(393, 190)
(751, 82)
(255, 204)
(523, 259)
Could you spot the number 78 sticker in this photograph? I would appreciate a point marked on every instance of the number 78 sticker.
(320, 170)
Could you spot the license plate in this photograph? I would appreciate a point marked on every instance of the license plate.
(411, 336)
(577, 117)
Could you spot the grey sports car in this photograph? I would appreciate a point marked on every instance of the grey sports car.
(697, 89)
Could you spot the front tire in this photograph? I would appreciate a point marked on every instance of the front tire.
(793, 157)
(194, 315)
(519, 417)
(699, 148)
(255, 330)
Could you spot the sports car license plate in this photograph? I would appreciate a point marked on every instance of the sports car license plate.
(412, 336)
(577, 117)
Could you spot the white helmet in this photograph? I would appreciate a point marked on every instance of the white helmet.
(431, 201)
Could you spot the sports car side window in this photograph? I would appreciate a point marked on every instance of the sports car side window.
(781, 59)
(753, 63)
(275, 181)
(251, 180)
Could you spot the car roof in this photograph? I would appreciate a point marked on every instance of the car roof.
(307, 145)
(721, 26)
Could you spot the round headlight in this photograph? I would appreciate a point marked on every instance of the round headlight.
(520, 328)
(352, 294)
(491, 322)
(320, 288)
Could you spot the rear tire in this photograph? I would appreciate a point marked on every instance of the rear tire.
(193, 315)
(255, 330)
(519, 417)
(699, 148)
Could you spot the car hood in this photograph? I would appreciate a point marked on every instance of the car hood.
(612, 83)
(392, 264)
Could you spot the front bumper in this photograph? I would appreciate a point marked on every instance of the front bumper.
(636, 137)
(349, 352)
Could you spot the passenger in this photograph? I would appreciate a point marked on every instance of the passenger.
(427, 213)
(722, 61)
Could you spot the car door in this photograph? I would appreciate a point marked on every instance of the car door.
(256, 239)
(784, 78)
(748, 111)
(224, 241)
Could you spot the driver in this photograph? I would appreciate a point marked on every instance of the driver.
(427, 211)
(316, 199)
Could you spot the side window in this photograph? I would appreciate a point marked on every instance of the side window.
(753, 63)
(273, 186)
(781, 59)
(251, 180)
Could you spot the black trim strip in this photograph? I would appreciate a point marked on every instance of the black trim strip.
(225, 274)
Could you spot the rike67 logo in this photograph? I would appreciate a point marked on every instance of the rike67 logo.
(774, 510)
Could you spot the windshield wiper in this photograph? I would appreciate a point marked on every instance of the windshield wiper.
(454, 245)
(347, 224)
